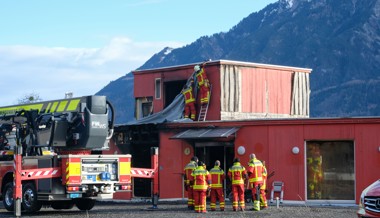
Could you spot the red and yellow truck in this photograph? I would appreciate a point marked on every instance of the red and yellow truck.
(51, 154)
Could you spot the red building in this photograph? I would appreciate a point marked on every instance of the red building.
(254, 108)
(240, 90)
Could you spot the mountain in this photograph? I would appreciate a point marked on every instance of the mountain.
(338, 39)
(120, 94)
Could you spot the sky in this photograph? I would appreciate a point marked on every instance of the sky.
(49, 48)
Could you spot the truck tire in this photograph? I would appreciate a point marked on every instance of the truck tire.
(85, 204)
(30, 202)
(62, 205)
(8, 197)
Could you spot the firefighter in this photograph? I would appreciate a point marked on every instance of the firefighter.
(256, 181)
(201, 180)
(263, 197)
(192, 165)
(217, 179)
(237, 174)
(203, 83)
(315, 172)
(188, 94)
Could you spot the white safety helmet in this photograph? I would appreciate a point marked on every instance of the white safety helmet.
(197, 68)
(252, 156)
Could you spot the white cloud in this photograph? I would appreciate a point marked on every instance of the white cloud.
(53, 71)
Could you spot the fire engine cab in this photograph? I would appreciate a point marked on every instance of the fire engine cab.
(51, 154)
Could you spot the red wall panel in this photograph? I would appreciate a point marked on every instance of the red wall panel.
(173, 157)
(266, 90)
(367, 155)
(329, 132)
(288, 167)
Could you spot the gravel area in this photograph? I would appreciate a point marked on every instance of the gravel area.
(179, 209)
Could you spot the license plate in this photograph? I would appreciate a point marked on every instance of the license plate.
(75, 195)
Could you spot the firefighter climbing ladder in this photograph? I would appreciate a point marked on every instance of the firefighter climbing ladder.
(204, 108)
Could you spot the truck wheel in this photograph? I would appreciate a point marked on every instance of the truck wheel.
(29, 198)
(85, 204)
(62, 205)
(8, 197)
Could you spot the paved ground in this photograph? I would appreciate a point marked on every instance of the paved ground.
(179, 210)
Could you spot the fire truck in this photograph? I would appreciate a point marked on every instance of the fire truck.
(51, 154)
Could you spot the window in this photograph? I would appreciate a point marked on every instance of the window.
(157, 88)
(143, 107)
(147, 109)
(330, 170)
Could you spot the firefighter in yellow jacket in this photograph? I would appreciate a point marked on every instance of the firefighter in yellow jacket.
(188, 94)
(201, 181)
(237, 174)
(217, 179)
(257, 175)
(203, 84)
(256, 180)
(189, 168)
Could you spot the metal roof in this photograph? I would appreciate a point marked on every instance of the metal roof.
(228, 62)
(203, 133)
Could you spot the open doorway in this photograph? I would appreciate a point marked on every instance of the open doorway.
(209, 152)
(172, 89)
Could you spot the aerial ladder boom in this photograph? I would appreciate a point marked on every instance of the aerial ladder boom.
(69, 124)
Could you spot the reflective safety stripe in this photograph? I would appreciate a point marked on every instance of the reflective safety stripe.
(73, 171)
(64, 105)
(124, 169)
(54, 107)
(217, 176)
(188, 94)
(200, 178)
(258, 170)
(236, 172)
(201, 77)
(188, 170)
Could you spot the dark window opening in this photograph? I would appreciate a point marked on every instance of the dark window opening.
(147, 109)
(172, 89)
(143, 107)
